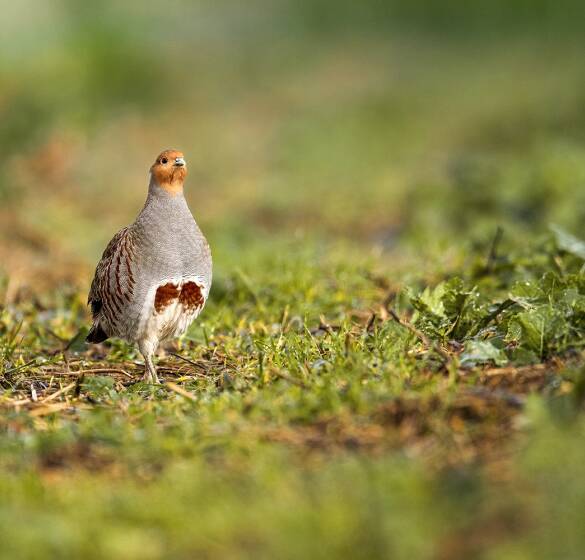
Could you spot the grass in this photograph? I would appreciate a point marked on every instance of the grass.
(298, 419)
(391, 361)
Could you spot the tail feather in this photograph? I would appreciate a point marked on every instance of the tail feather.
(96, 334)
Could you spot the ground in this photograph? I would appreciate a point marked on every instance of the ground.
(390, 364)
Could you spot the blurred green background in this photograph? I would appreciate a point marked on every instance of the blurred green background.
(340, 153)
(376, 123)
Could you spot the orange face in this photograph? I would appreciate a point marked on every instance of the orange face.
(169, 170)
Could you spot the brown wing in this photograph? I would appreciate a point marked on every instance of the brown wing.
(112, 285)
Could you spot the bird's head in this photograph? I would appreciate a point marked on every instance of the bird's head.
(169, 171)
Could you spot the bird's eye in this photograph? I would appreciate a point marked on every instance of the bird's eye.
(164, 160)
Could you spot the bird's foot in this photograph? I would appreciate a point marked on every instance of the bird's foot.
(150, 377)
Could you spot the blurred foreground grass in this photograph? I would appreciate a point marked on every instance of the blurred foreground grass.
(380, 371)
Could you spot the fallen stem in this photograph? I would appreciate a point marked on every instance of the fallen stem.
(60, 392)
(102, 370)
(421, 336)
(192, 362)
(180, 391)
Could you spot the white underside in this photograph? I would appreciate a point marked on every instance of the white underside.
(173, 320)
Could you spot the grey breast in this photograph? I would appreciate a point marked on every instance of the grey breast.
(170, 245)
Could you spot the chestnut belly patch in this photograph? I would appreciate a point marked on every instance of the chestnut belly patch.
(191, 296)
(188, 294)
(165, 295)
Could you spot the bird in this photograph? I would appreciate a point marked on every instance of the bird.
(154, 276)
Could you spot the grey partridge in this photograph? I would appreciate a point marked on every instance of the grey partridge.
(154, 276)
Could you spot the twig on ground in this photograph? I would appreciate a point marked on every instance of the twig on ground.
(201, 375)
(422, 337)
(60, 392)
(192, 362)
(180, 391)
(96, 370)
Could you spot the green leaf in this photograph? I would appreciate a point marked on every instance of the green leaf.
(482, 352)
(539, 329)
(568, 242)
(431, 301)
(454, 297)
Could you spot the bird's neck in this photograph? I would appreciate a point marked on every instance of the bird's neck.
(173, 188)
(163, 199)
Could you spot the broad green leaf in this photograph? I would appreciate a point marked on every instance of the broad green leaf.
(482, 352)
(431, 301)
(568, 242)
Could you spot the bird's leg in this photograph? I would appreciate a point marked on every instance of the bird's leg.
(147, 349)
(150, 371)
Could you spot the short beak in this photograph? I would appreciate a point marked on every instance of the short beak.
(179, 162)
